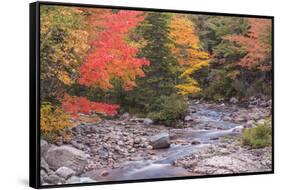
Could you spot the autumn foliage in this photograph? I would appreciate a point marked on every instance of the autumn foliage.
(52, 120)
(185, 45)
(111, 57)
(75, 105)
(63, 45)
(256, 44)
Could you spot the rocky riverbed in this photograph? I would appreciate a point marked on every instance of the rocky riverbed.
(206, 142)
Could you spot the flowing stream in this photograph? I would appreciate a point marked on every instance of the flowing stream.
(208, 127)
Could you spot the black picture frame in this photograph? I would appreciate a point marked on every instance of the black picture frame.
(34, 92)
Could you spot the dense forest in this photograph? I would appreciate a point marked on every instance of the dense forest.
(98, 63)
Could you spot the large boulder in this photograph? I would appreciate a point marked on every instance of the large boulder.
(44, 147)
(161, 140)
(66, 156)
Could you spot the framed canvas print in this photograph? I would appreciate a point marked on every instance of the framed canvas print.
(120, 94)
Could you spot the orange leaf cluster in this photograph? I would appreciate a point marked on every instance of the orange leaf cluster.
(111, 57)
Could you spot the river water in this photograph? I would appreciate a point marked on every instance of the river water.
(209, 125)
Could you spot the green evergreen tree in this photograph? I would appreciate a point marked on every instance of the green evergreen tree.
(160, 77)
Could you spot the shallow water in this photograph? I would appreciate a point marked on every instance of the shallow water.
(208, 128)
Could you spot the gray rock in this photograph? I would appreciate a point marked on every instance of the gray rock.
(94, 129)
(43, 143)
(147, 121)
(263, 104)
(65, 172)
(52, 179)
(249, 123)
(269, 103)
(44, 147)
(125, 116)
(66, 156)
(77, 145)
(44, 165)
(240, 119)
(78, 129)
(88, 129)
(161, 140)
(137, 140)
(255, 116)
(188, 118)
(103, 153)
(43, 174)
(132, 150)
(136, 120)
(149, 147)
(121, 143)
(233, 100)
(252, 98)
(59, 141)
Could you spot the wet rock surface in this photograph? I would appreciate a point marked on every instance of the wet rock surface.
(161, 140)
(136, 148)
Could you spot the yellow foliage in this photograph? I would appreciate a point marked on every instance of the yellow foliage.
(63, 76)
(62, 32)
(185, 45)
(194, 68)
(53, 119)
(183, 31)
(187, 89)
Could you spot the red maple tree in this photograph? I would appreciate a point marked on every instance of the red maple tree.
(111, 56)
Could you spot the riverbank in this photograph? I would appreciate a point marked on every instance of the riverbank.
(206, 142)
